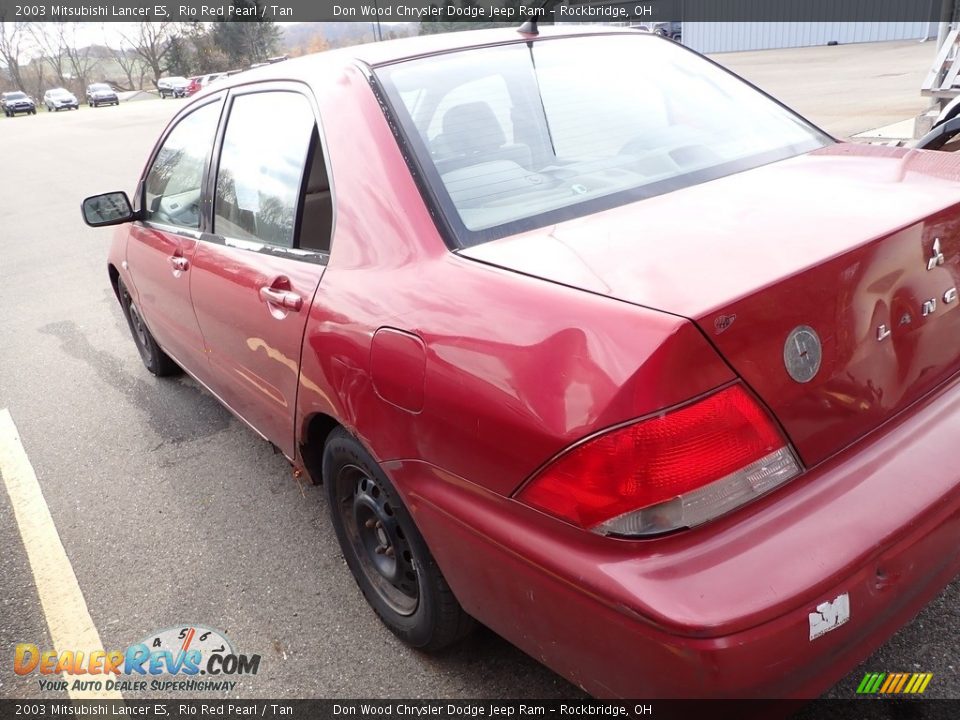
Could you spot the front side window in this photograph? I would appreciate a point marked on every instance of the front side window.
(175, 180)
(516, 137)
(265, 150)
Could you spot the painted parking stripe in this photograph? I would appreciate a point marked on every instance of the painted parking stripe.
(68, 618)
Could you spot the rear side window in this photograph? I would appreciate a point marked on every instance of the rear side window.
(175, 179)
(265, 150)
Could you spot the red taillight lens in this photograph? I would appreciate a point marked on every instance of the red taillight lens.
(681, 468)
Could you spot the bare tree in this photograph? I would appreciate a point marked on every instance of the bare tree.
(35, 78)
(51, 42)
(131, 64)
(13, 39)
(151, 42)
(82, 60)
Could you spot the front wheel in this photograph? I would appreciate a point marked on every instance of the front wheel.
(155, 359)
(385, 552)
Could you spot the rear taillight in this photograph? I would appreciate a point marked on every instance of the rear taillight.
(676, 470)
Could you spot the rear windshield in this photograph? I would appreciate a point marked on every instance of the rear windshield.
(516, 137)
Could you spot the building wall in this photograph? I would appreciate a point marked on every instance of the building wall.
(713, 37)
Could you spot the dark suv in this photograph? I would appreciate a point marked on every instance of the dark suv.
(17, 102)
(101, 94)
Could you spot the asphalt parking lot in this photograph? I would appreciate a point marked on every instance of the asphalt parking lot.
(172, 512)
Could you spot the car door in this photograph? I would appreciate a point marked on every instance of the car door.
(256, 272)
(163, 243)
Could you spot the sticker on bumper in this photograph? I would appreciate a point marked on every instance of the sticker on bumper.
(829, 616)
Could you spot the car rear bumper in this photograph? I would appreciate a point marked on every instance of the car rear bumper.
(722, 610)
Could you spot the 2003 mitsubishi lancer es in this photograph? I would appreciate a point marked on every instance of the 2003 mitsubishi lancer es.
(586, 338)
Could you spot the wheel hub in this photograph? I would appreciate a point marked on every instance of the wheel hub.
(379, 541)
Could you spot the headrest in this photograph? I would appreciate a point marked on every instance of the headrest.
(475, 126)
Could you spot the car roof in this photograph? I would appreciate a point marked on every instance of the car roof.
(390, 51)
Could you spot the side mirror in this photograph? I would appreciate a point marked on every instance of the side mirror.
(107, 209)
(943, 135)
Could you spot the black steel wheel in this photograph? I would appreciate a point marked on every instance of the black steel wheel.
(385, 552)
(154, 358)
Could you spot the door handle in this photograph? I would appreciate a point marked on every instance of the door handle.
(283, 298)
(179, 262)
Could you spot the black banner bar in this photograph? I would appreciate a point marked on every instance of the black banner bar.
(861, 709)
(478, 11)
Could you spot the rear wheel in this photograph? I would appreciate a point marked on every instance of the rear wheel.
(155, 359)
(385, 552)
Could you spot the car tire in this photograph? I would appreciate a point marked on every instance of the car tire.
(385, 552)
(154, 359)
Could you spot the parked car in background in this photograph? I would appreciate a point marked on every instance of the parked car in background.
(101, 94)
(666, 397)
(16, 103)
(175, 87)
(58, 99)
(672, 30)
(198, 82)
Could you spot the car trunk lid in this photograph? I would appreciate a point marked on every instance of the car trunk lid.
(835, 248)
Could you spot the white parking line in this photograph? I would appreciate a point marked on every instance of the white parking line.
(68, 619)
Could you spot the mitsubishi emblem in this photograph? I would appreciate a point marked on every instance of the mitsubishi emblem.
(936, 257)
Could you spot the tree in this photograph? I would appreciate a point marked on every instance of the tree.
(247, 40)
(199, 50)
(180, 57)
(49, 39)
(132, 65)
(12, 40)
(151, 42)
(35, 78)
(82, 60)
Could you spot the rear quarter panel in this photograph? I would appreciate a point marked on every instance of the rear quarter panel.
(516, 368)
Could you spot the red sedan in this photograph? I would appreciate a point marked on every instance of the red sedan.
(587, 339)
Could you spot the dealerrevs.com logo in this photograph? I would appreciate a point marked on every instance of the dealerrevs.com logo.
(173, 659)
